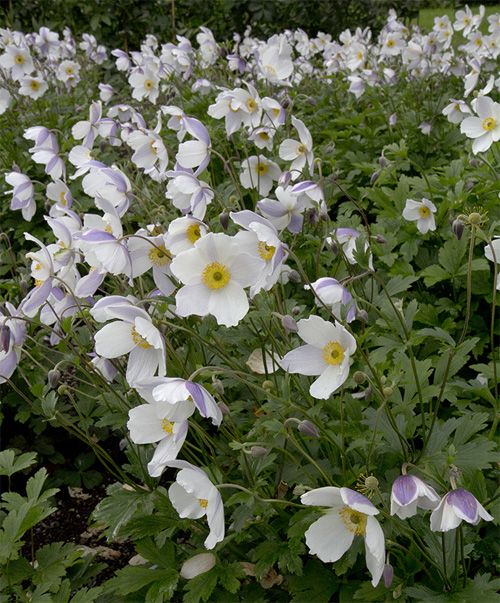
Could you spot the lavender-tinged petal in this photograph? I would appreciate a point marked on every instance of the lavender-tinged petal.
(404, 489)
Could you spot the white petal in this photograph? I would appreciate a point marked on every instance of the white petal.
(328, 496)
(304, 360)
(229, 305)
(114, 339)
(374, 549)
(329, 381)
(144, 425)
(328, 538)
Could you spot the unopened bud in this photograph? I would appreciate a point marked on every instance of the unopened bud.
(294, 276)
(267, 385)
(53, 377)
(282, 489)
(457, 228)
(333, 246)
(374, 177)
(359, 377)
(474, 163)
(285, 101)
(475, 218)
(289, 324)
(312, 101)
(4, 338)
(382, 161)
(224, 219)
(296, 310)
(258, 451)
(223, 407)
(362, 315)
(469, 185)
(197, 565)
(387, 391)
(313, 216)
(388, 575)
(62, 390)
(308, 428)
(218, 386)
(380, 239)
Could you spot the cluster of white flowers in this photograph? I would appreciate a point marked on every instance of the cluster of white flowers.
(30, 63)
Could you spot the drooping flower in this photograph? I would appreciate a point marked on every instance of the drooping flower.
(193, 496)
(349, 514)
(287, 211)
(215, 273)
(421, 212)
(409, 492)
(299, 153)
(328, 349)
(331, 293)
(457, 506)
(22, 194)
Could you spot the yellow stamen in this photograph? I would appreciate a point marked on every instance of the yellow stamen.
(266, 251)
(193, 233)
(489, 123)
(333, 353)
(203, 503)
(216, 276)
(301, 149)
(353, 520)
(390, 43)
(167, 426)
(62, 198)
(262, 168)
(35, 85)
(251, 105)
(424, 211)
(148, 84)
(19, 59)
(159, 256)
(139, 340)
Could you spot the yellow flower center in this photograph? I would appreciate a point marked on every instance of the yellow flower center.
(301, 149)
(152, 146)
(62, 198)
(262, 168)
(159, 256)
(148, 84)
(266, 251)
(333, 353)
(353, 520)
(35, 85)
(424, 211)
(19, 59)
(69, 70)
(203, 502)
(193, 233)
(251, 105)
(167, 426)
(264, 135)
(37, 266)
(390, 43)
(108, 229)
(139, 340)
(360, 55)
(489, 123)
(38, 283)
(276, 112)
(216, 276)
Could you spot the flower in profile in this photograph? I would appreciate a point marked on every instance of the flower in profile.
(22, 194)
(485, 128)
(492, 253)
(298, 152)
(421, 212)
(457, 506)
(215, 273)
(327, 352)
(193, 496)
(330, 292)
(349, 514)
(409, 492)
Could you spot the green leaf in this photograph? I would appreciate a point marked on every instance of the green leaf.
(10, 464)
(317, 584)
(201, 587)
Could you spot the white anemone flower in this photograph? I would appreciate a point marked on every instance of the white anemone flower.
(457, 506)
(299, 153)
(327, 353)
(145, 84)
(485, 129)
(421, 212)
(34, 87)
(194, 496)
(149, 252)
(18, 60)
(349, 514)
(215, 273)
(409, 492)
(132, 333)
(5, 100)
(259, 173)
(161, 423)
(183, 233)
(492, 253)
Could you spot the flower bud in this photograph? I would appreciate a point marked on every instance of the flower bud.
(296, 310)
(199, 564)
(474, 163)
(362, 315)
(258, 451)
(224, 219)
(294, 276)
(268, 385)
(382, 161)
(308, 428)
(380, 239)
(218, 386)
(224, 408)
(285, 178)
(4, 338)
(359, 377)
(457, 228)
(53, 378)
(289, 324)
(475, 218)
(62, 390)
(469, 185)
(374, 177)
(312, 101)
(282, 489)
(388, 575)
(387, 391)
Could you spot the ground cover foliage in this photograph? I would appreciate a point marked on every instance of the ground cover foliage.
(248, 317)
